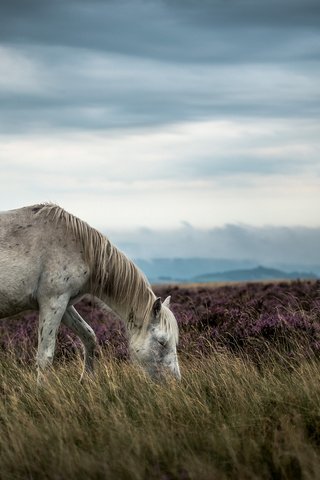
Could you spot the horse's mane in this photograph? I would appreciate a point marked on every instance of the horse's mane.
(112, 273)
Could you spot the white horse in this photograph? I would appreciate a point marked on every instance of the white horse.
(49, 259)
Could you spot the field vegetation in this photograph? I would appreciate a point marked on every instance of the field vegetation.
(248, 405)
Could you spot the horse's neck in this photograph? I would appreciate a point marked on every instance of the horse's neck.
(132, 319)
(126, 291)
(119, 309)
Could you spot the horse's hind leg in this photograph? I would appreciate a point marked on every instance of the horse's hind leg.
(75, 322)
(51, 311)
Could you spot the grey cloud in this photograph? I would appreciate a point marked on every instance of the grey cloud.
(294, 247)
(160, 62)
(247, 12)
(223, 165)
(190, 31)
(81, 91)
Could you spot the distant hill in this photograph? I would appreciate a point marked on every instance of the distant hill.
(258, 273)
(182, 270)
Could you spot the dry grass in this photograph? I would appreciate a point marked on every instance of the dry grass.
(226, 419)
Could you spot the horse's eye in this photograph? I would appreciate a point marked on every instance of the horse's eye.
(162, 342)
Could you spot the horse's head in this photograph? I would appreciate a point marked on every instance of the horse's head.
(155, 348)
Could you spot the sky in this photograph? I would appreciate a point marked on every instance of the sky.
(166, 116)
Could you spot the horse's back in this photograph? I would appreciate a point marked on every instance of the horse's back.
(21, 239)
(34, 253)
(20, 261)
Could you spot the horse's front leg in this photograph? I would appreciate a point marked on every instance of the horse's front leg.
(51, 311)
(75, 322)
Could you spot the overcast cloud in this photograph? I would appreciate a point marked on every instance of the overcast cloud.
(152, 113)
(278, 247)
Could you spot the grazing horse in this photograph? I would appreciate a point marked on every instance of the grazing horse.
(50, 259)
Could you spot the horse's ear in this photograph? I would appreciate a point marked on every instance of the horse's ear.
(166, 303)
(156, 309)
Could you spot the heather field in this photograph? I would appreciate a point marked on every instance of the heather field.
(248, 406)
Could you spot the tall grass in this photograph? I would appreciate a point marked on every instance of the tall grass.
(227, 419)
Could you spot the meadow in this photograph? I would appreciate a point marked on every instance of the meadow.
(248, 405)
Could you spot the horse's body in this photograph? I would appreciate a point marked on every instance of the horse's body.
(49, 259)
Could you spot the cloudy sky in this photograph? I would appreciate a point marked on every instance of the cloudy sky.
(163, 114)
